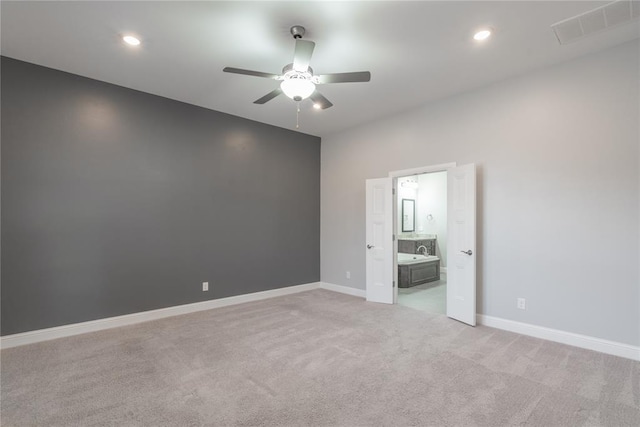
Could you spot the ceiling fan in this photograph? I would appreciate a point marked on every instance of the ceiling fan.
(298, 80)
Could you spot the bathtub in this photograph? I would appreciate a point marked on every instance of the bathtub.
(415, 258)
(416, 269)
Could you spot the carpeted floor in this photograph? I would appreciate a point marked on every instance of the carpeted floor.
(314, 358)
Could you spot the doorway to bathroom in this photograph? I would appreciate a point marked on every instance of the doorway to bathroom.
(421, 234)
(381, 253)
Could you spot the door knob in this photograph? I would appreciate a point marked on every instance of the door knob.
(369, 246)
(469, 252)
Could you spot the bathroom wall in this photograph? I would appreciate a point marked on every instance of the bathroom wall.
(116, 201)
(432, 200)
(406, 193)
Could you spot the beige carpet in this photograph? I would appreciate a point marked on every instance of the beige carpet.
(314, 358)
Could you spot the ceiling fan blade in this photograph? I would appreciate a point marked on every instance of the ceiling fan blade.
(359, 76)
(269, 96)
(320, 100)
(250, 73)
(302, 54)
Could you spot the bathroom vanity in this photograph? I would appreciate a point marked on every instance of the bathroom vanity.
(410, 245)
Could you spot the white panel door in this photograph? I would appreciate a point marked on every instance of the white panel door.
(379, 249)
(461, 241)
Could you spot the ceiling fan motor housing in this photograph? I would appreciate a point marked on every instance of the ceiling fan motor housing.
(289, 68)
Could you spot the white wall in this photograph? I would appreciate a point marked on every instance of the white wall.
(432, 200)
(558, 190)
(406, 193)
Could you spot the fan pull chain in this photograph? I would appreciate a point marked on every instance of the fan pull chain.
(298, 116)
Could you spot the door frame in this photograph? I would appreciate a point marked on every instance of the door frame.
(443, 167)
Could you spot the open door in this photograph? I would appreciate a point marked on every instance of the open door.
(461, 239)
(379, 249)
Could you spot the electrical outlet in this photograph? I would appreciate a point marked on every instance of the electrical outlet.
(348, 275)
(522, 304)
(205, 286)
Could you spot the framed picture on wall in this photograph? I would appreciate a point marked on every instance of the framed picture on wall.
(408, 214)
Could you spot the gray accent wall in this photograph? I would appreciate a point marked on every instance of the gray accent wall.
(116, 201)
(557, 152)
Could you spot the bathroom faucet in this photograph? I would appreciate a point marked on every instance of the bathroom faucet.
(422, 247)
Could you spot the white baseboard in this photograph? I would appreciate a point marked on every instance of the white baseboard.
(583, 341)
(39, 335)
(576, 340)
(343, 289)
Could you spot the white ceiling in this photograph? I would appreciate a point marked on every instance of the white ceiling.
(416, 51)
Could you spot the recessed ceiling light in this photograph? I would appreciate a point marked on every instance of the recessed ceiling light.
(317, 106)
(482, 35)
(130, 40)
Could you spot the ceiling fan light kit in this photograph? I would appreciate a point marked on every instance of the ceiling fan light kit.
(297, 79)
(297, 88)
(297, 85)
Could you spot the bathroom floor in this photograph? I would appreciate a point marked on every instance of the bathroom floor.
(430, 297)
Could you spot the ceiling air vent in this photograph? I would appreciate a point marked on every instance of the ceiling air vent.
(596, 20)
